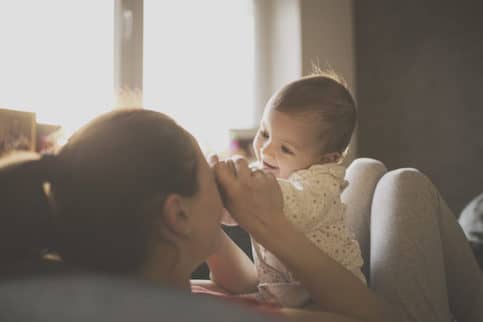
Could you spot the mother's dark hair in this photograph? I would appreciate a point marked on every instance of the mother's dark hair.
(105, 184)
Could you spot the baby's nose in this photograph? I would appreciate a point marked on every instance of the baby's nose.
(267, 150)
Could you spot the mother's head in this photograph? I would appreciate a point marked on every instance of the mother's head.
(131, 193)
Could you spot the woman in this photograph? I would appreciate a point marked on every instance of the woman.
(131, 193)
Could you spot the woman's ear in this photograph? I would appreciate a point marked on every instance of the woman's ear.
(175, 216)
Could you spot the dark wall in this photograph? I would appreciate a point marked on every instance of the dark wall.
(420, 90)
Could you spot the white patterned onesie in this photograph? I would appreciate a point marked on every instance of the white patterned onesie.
(312, 203)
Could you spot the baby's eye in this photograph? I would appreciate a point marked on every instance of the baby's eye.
(264, 134)
(286, 150)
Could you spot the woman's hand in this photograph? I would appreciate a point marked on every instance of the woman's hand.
(226, 218)
(253, 198)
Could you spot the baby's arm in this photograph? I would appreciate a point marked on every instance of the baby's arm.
(314, 206)
(231, 269)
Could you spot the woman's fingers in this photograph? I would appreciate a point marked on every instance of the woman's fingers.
(213, 159)
(258, 173)
(231, 167)
(225, 175)
(242, 169)
(227, 219)
(250, 196)
(272, 180)
(225, 180)
(225, 172)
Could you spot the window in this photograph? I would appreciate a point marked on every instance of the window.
(199, 65)
(56, 59)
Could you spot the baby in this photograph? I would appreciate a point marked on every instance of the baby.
(304, 134)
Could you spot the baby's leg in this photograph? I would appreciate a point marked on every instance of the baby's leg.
(362, 175)
(419, 254)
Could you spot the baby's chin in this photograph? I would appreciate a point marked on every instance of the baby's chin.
(283, 173)
(275, 172)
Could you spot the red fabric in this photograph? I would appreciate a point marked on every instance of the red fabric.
(250, 303)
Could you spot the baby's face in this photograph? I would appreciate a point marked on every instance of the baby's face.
(286, 142)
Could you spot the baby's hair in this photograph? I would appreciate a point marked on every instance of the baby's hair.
(325, 93)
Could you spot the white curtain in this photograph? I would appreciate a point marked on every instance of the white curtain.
(56, 59)
(199, 65)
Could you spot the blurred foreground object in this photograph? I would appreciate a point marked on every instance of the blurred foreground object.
(81, 298)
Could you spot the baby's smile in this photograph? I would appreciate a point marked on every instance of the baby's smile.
(270, 168)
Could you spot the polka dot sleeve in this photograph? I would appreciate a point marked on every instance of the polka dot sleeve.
(312, 203)
(309, 196)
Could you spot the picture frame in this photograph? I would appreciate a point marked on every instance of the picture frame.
(17, 131)
(241, 141)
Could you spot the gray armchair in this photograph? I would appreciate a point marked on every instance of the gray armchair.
(471, 220)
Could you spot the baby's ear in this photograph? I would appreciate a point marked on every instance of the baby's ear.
(332, 157)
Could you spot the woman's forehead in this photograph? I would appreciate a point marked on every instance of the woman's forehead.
(200, 157)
